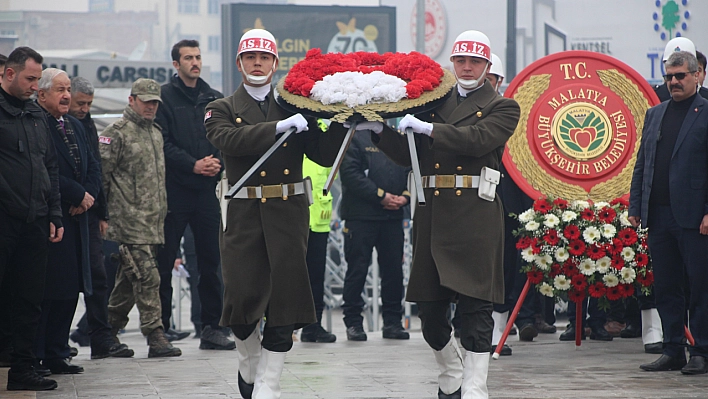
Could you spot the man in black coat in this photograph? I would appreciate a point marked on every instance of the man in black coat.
(192, 165)
(30, 210)
(68, 268)
(374, 196)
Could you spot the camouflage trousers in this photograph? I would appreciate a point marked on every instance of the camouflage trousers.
(137, 283)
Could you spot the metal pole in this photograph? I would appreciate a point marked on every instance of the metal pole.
(420, 27)
(510, 40)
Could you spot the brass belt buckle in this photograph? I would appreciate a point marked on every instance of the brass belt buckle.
(445, 181)
(274, 191)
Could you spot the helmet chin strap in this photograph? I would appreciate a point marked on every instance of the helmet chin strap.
(470, 84)
(257, 80)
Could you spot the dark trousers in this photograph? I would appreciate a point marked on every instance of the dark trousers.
(679, 255)
(23, 265)
(476, 324)
(53, 329)
(97, 304)
(597, 319)
(192, 266)
(275, 339)
(359, 240)
(316, 262)
(200, 209)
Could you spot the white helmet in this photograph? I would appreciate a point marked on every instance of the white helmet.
(472, 43)
(258, 40)
(679, 44)
(497, 67)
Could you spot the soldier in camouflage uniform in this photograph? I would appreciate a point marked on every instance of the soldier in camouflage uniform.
(134, 181)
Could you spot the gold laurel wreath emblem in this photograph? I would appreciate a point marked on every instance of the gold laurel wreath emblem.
(522, 156)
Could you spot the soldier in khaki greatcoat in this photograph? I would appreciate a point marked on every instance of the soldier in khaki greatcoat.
(134, 181)
(459, 234)
(264, 240)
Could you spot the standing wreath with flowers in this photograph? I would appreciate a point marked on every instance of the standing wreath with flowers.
(578, 249)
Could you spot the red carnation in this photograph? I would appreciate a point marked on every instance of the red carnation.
(414, 90)
(595, 252)
(523, 243)
(597, 290)
(587, 214)
(628, 236)
(535, 276)
(551, 237)
(641, 259)
(579, 282)
(617, 262)
(613, 293)
(560, 203)
(571, 232)
(576, 248)
(576, 296)
(607, 214)
(542, 206)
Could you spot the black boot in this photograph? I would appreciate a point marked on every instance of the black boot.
(569, 333)
(28, 380)
(316, 333)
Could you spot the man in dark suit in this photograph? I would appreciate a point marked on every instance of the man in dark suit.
(669, 194)
(68, 270)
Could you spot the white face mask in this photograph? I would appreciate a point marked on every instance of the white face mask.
(258, 80)
(469, 84)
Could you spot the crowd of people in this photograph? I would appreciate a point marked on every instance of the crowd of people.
(67, 193)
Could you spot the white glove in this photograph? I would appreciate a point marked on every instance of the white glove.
(376, 127)
(297, 121)
(418, 126)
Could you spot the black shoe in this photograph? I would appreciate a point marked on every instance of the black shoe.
(174, 335)
(356, 333)
(62, 366)
(455, 395)
(29, 381)
(395, 331)
(696, 365)
(632, 330)
(81, 338)
(316, 333)
(214, 338)
(541, 326)
(111, 349)
(665, 363)
(506, 350)
(656, 348)
(73, 351)
(528, 332)
(245, 389)
(569, 333)
(600, 334)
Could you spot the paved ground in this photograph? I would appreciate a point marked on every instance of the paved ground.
(378, 368)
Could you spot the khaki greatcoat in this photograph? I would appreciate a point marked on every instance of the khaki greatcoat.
(263, 249)
(458, 237)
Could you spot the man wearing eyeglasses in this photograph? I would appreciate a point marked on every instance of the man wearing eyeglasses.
(669, 194)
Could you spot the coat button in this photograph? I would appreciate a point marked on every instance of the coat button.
(479, 114)
(286, 172)
(263, 173)
(263, 200)
(437, 166)
(285, 144)
(459, 168)
(458, 192)
(436, 193)
(238, 120)
(285, 197)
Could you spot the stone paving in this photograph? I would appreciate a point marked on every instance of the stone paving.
(378, 368)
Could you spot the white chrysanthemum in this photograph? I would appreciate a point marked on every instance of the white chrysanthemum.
(580, 204)
(527, 216)
(562, 254)
(627, 254)
(628, 275)
(551, 220)
(601, 204)
(624, 219)
(527, 254)
(608, 231)
(561, 282)
(543, 261)
(587, 267)
(532, 225)
(568, 216)
(603, 264)
(356, 88)
(591, 234)
(610, 280)
(546, 290)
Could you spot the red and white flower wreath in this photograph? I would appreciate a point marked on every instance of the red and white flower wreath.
(362, 78)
